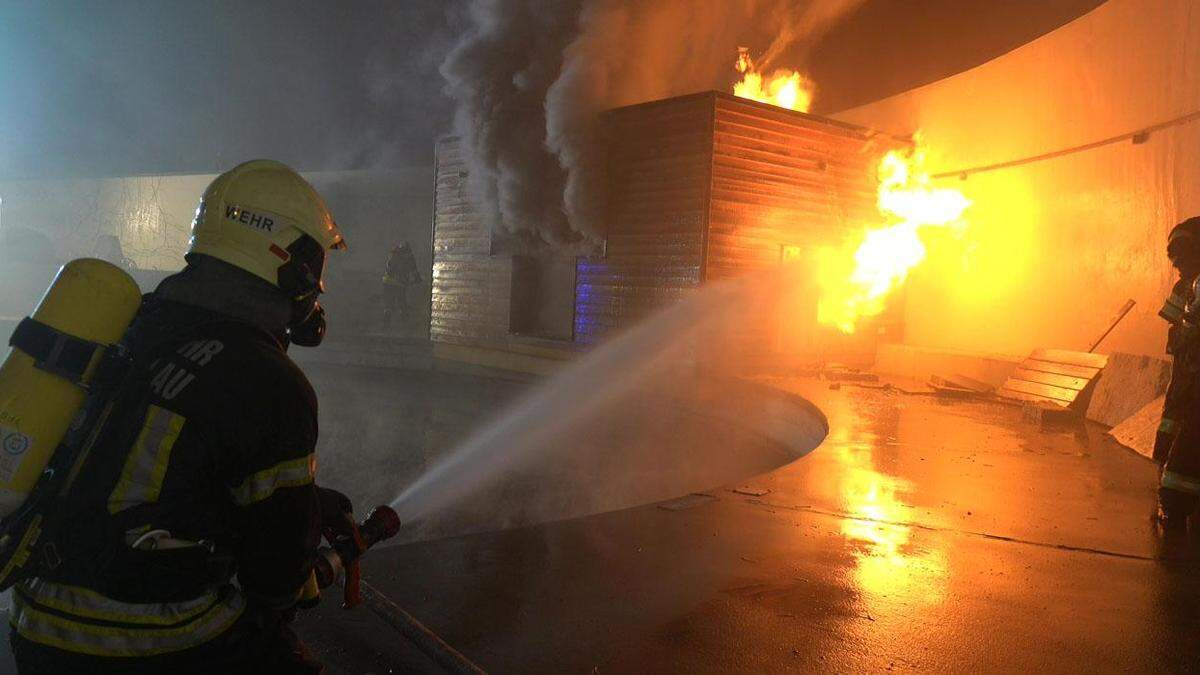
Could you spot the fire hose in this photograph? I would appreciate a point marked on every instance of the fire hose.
(341, 558)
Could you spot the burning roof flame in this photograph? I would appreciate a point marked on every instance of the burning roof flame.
(784, 88)
(856, 287)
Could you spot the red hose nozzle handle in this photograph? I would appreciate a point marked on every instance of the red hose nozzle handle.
(383, 523)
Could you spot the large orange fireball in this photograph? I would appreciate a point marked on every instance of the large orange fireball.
(855, 286)
(784, 88)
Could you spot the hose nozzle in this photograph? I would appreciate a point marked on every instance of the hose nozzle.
(381, 524)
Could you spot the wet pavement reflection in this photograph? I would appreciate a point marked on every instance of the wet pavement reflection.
(888, 562)
(921, 536)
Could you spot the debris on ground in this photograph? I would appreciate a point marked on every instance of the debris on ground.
(1041, 412)
(839, 373)
(940, 388)
(1140, 429)
(751, 491)
(886, 387)
(959, 386)
(687, 501)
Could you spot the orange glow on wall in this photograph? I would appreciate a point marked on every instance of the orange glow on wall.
(995, 256)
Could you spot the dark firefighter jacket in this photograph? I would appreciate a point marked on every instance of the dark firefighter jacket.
(213, 443)
(401, 268)
(1178, 395)
(1177, 446)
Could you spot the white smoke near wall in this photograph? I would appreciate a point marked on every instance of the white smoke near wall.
(530, 79)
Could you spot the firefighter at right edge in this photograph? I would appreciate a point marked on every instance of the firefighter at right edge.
(1177, 444)
(204, 472)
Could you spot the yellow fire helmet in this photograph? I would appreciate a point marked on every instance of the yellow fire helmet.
(256, 215)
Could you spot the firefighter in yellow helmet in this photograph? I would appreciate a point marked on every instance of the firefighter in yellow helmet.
(196, 517)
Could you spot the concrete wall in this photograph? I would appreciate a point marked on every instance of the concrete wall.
(149, 214)
(152, 215)
(1055, 247)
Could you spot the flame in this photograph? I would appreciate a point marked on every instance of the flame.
(785, 88)
(858, 286)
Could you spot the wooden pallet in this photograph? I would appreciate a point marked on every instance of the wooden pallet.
(1054, 376)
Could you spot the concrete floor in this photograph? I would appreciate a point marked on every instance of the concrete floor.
(923, 535)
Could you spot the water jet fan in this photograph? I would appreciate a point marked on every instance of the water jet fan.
(653, 414)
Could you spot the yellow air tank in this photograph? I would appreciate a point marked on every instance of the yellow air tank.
(89, 299)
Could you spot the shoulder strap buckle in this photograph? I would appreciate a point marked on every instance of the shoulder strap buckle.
(50, 557)
(56, 352)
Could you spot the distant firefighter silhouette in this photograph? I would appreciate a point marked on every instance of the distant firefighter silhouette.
(400, 275)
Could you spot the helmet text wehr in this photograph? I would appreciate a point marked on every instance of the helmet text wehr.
(247, 217)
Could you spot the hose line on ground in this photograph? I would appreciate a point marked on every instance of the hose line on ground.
(426, 640)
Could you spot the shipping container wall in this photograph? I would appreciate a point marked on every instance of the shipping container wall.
(785, 184)
(659, 168)
(708, 187)
(471, 289)
(783, 179)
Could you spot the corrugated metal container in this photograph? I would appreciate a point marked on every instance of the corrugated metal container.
(660, 163)
(781, 178)
(471, 289)
(710, 186)
(700, 188)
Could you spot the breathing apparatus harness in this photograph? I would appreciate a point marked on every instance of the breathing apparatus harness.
(45, 538)
(54, 533)
(28, 546)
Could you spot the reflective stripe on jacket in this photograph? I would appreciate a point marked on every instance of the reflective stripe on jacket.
(81, 620)
(1173, 480)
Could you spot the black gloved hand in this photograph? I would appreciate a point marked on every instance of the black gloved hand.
(337, 514)
(341, 531)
